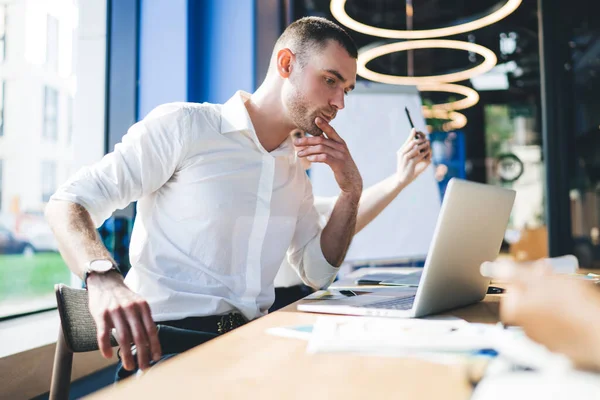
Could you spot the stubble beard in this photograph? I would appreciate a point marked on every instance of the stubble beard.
(301, 117)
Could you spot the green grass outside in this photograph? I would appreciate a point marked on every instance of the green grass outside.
(26, 277)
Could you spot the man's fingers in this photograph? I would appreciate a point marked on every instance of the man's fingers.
(328, 129)
(318, 140)
(139, 336)
(123, 336)
(321, 149)
(323, 158)
(151, 331)
(103, 328)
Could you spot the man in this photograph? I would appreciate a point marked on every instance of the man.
(220, 200)
(288, 285)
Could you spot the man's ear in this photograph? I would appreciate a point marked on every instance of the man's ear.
(285, 58)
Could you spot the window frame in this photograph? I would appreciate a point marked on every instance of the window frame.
(50, 118)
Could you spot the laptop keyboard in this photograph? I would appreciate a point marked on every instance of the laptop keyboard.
(402, 303)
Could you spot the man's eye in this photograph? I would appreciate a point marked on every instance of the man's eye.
(329, 81)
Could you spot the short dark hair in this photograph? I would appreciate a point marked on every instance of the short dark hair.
(309, 32)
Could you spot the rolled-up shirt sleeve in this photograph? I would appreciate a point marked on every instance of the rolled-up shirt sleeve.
(147, 157)
(305, 254)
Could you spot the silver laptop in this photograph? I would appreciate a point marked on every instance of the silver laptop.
(469, 231)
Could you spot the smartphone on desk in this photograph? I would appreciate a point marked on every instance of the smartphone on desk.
(390, 279)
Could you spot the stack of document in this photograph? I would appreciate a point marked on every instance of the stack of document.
(386, 336)
(442, 339)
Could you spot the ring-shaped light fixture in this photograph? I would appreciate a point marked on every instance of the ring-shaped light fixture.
(456, 120)
(370, 54)
(338, 9)
(471, 95)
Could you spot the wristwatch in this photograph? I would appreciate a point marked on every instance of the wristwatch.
(99, 266)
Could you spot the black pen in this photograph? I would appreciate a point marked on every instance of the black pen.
(410, 121)
(417, 134)
(409, 118)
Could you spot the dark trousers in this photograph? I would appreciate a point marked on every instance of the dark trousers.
(178, 336)
(289, 295)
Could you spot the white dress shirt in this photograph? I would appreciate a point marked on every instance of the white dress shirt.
(216, 212)
(287, 275)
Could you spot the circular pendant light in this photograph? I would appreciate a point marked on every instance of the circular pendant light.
(338, 9)
(456, 120)
(471, 96)
(370, 54)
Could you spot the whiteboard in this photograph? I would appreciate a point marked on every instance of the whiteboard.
(374, 125)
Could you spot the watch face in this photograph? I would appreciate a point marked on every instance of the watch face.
(101, 265)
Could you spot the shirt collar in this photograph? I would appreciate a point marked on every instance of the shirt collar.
(285, 149)
(234, 116)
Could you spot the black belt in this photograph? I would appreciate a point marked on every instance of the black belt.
(181, 335)
(217, 324)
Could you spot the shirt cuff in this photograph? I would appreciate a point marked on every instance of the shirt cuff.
(318, 273)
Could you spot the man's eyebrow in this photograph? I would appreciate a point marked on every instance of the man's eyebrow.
(339, 76)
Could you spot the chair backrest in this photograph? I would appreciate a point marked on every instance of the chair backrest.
(77, 323)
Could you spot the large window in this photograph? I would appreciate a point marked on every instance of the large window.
(50, 113)
(38, 60)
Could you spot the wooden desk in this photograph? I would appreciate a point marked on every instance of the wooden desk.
(250, 364)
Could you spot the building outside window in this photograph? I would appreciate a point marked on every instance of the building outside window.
(37, 61)
(50, 113)
(48, 179)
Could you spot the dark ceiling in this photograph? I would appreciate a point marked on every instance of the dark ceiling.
(580, 22)
(391, 14)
